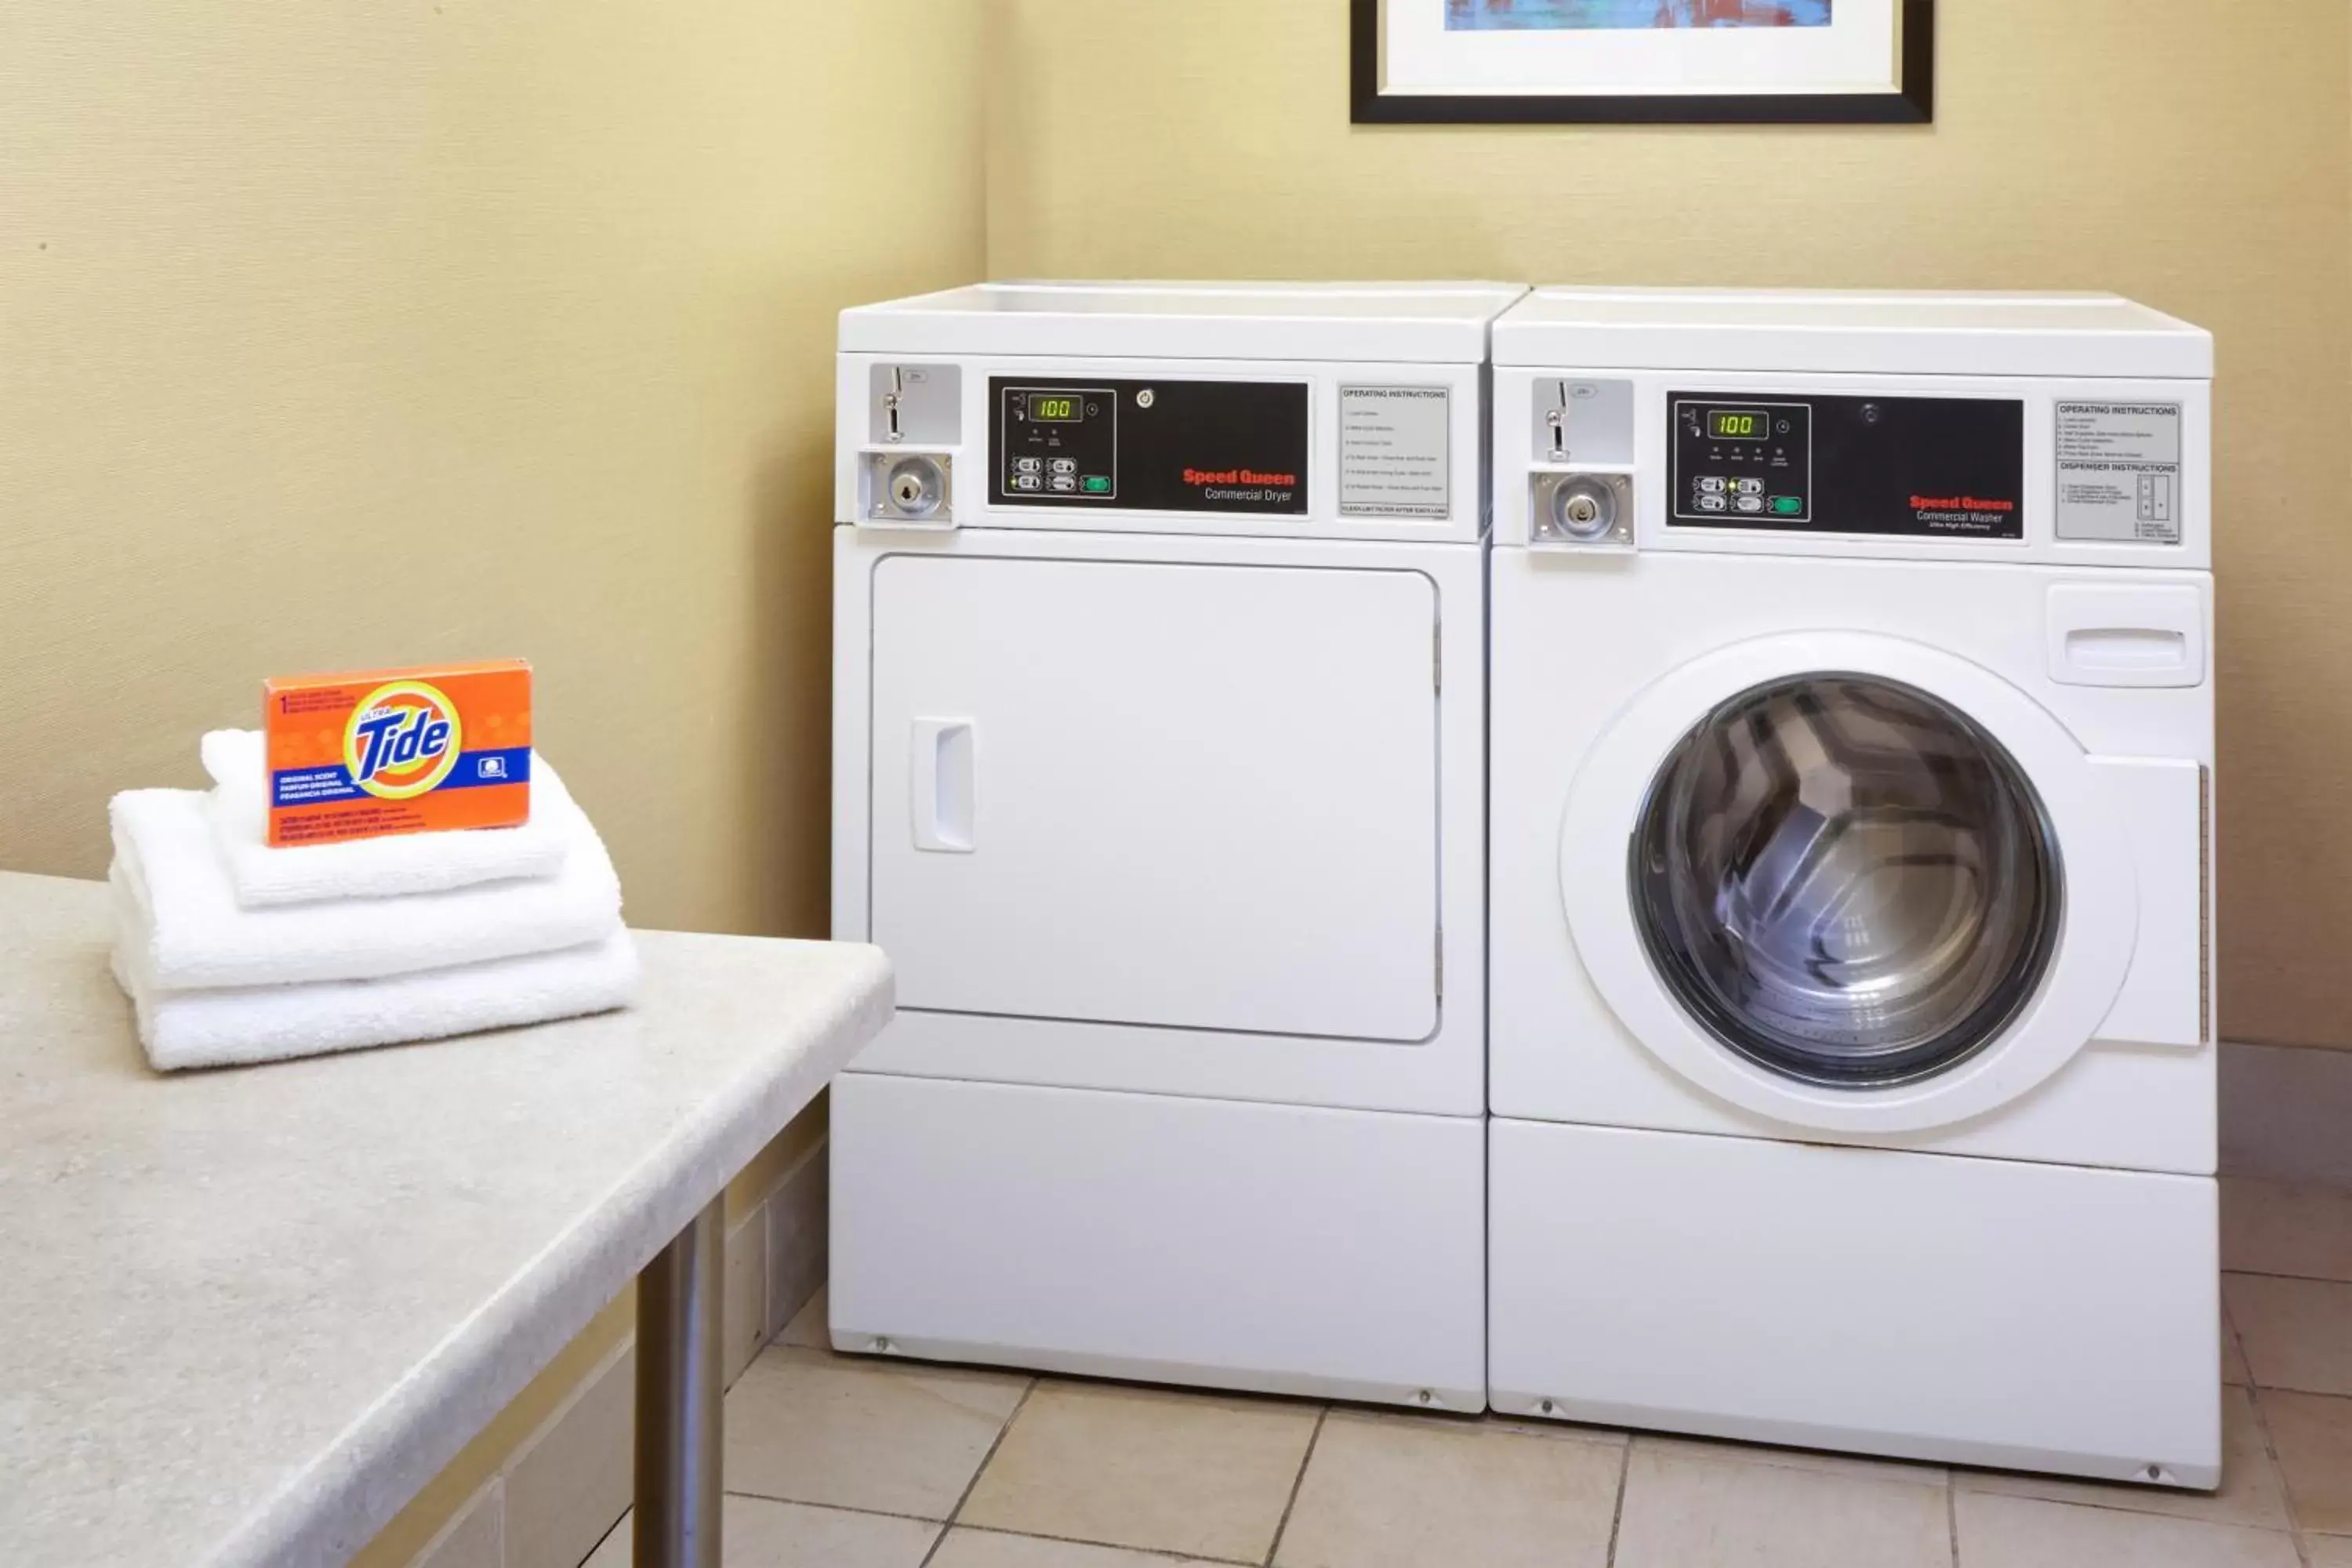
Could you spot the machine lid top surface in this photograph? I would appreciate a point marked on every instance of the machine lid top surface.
(1858, 331)
(1445, 323)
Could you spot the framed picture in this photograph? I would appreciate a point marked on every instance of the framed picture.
(1656, 61)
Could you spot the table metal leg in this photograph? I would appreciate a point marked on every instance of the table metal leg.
(680, 1396)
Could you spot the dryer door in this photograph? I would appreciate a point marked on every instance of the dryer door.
(1194, 796)
(1849, 881)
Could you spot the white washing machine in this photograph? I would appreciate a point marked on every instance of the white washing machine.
(1851, 984)
(1159, 774)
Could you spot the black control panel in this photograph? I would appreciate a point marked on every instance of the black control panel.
(1948, 467)
(1738, 461)
(1150, 446)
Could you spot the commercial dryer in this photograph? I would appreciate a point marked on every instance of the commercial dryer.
(1159, 774)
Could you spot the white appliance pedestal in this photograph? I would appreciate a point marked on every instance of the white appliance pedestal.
(1292, 1250)
(1992, 1312)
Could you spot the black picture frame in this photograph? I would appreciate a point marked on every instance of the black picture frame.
(1912, 103)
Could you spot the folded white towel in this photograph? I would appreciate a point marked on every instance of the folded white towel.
(194, 934)
(271, 1023)
(365, 868)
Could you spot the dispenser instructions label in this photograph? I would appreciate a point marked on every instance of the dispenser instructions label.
(1395, 452)
(2119, 472)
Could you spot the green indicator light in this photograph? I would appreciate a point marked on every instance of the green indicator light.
(1095, 484)
(1788, 506)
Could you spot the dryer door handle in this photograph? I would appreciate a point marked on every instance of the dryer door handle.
(939, 757)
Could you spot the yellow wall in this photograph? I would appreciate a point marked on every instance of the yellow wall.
(343, 333)
(2193, 155)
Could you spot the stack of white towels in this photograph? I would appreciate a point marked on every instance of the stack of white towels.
(234, 952)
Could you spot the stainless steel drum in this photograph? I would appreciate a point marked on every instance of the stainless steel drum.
(1846, 880)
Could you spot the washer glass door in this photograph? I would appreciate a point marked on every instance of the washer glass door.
(1846, 880)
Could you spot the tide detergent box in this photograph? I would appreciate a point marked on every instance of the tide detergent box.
(397, 751)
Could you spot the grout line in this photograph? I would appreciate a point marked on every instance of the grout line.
(1617, 1514)
(835, 1507)
(1153, 1551)
(979, 1470)
(1296, 1481)
(2271, 1456)
(1952, 1514)
(2280, 1274)
(944, 1526)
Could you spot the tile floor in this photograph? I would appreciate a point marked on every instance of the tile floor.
(853, 1463)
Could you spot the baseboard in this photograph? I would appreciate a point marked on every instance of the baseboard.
(797, 1238)
(2287, 1114)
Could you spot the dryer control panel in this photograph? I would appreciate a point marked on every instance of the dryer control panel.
(1150, 446)
(1926, 467)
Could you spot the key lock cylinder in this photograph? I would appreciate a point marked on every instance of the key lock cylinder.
(915, 413)
(1580, 485)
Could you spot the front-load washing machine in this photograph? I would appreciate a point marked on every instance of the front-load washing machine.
(1851, 982)
(1159, 774)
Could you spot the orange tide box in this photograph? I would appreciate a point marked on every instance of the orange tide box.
(397, 751)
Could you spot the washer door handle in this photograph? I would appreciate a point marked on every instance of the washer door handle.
(940, 758)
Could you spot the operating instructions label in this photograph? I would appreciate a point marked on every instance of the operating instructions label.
(2119, 472)
(1395, 451)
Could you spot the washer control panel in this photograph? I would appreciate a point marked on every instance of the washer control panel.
(1941, 467)
(1742, 459)
(1150, 446)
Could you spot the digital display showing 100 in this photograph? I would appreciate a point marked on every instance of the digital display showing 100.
(1056, 408)
(1739, 424)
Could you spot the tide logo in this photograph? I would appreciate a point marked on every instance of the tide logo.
(403, 740)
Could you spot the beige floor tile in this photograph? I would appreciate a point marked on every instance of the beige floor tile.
(992, 1549)
(2272, 1227)
(807, 1327)
(1691, 1506)
(2250, 1492)
(1394, 1492)
(1800, 1459)
(2297, 1333)
(1145, 1468)
(1537, 1426)
(2313, 1437)
(2026, 1532)
(2329, 1550)
(895, 1438)
(755, 1532)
